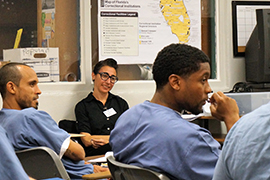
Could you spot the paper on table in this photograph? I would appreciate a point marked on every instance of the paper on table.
(206, 112)
(191, 117)
(102, 159)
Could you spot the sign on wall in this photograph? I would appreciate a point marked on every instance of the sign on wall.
(133, 31)
(244, 21)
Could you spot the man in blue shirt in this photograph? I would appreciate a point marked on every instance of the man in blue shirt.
(27, 127)
(153, 134)
(10, 166)
(245, 153)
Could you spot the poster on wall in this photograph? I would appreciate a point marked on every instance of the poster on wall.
(134, 31)
(244, 21)
(48, 22)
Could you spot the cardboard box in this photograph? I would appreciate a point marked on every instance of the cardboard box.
(45, 61)
(2, 63)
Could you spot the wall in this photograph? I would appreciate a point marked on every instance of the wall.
(59, 99)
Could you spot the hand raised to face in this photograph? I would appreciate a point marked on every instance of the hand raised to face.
(224, 108)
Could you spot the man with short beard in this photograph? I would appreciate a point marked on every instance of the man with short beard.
(27, 127)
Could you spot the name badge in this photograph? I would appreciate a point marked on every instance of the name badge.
(109, 112)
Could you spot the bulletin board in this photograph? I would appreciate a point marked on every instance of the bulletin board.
(244, 21)
(129, 29)
(136, 70)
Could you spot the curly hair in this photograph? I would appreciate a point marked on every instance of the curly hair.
(179, 59)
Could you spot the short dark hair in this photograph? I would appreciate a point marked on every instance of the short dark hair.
(179, 59)
(107, 62)
(9, 72)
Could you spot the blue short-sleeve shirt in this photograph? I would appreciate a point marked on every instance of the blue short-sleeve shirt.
(246, 151)
(156, 137)
(30, 128)
(10, 166)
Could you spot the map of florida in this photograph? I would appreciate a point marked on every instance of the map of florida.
(175, 14)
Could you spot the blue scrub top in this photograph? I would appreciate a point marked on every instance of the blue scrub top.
(10, 166)
(158, 138)
(30, 128)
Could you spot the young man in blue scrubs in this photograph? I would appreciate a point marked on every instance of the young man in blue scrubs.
(27, 127)
(246, 150)
(10, 166)
(153, 134)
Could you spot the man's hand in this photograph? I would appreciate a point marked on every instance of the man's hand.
(224, 108)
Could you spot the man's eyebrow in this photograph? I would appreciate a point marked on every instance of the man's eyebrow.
(206, 74)
(33, 81)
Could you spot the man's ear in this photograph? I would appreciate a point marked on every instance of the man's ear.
(11, 87)
(175, 81)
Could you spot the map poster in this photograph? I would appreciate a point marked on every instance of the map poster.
(134, 31)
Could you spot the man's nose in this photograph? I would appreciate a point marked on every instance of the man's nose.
(208, 88)
(38, 91)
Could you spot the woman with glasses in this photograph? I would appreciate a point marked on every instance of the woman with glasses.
(98, 112)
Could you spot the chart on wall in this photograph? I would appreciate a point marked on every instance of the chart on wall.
(246, 21)
(48, 22)
(134, 31)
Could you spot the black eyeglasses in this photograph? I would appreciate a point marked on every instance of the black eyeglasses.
(105, 76)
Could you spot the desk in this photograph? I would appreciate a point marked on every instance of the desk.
(93, 157)
(76, 135)
(204, 122)
(100, 175)
(219, 137)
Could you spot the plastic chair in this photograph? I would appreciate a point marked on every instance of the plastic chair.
(68, 125)
(42, 163)
(121, 171)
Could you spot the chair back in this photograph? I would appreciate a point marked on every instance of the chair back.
(68, 125)
(121, 171)
(42, 163)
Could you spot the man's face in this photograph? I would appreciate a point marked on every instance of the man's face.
(28, 90)
(195, 89)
